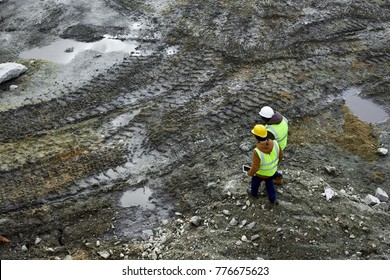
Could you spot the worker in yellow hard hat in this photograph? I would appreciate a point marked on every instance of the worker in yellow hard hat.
(266, 157)
(277, 127)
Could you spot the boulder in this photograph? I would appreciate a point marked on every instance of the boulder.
(381, 195)
(371, 200)
(11, 70)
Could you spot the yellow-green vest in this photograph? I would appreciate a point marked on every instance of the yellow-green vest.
(280, 132)
(268, 162)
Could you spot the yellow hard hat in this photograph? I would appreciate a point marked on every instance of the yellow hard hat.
(260, 130)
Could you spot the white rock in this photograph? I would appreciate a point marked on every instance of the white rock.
(68, 258)
(104, 254)
(233, 222)
(383, 151)
(11, 70)
(251, 225)
(24, 248)
(371, 200)
(195, 220)
(329, 194)
(254, 237)
(381, 195)
(13, 87)
(37, 240)
(226, 212)
(244, 238)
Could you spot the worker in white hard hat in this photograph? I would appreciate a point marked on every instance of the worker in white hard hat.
(266, 157)
(277, 127)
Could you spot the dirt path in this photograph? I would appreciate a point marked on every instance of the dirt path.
(137, 155)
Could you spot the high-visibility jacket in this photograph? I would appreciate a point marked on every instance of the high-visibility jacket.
(268, 162)
(280, 132)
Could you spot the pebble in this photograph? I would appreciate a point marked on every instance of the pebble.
(383, 151)
(251, 225)
(196, 220)
(24, 248)
(13, 87)
(226, 212)
(244, 238)
(254, 237)
(38, 240)
(104, 254)
(233, 222)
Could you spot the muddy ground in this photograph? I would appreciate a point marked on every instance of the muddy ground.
(137, 155)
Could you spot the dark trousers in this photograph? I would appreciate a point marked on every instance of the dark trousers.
(269, 186)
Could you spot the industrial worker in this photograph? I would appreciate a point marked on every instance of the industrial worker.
(277, 126)
(266, 157)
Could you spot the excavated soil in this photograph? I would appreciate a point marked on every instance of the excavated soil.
(137, 154)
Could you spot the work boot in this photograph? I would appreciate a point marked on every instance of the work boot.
(278, 181)
(276, 202)
(249, 192)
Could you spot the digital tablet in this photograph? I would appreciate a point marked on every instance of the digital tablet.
(245, 168)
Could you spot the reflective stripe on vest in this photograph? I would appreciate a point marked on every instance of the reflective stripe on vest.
(268, 162)
(280, 132)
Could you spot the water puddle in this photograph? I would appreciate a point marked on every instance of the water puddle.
(140, 197)
(64, 50)
(364, 109)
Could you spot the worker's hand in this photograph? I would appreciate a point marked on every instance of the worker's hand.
(4, 240)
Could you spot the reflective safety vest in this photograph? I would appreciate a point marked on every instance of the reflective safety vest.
(280, 132)
(268, 162)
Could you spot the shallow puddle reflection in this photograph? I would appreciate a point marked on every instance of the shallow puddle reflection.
(364, 109)
(139, 197)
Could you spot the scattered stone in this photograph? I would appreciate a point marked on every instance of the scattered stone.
(165, 222)
(382, 151)
(11, 70)
(104, 254)
(243, 223)
(196, 220)
(244, 238)
(68, 258)
(381, 195)
(97, 243)
(255, 237)
(226, 212)
(13, 87)
(330, 170)
(24, 248)
(328, 193)
(251, 225)
(371, 200)
(37, 240)
(233, 222)
(238, 243)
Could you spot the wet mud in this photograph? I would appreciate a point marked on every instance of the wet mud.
(138, 153)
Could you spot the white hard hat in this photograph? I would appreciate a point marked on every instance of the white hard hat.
(266, 112)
